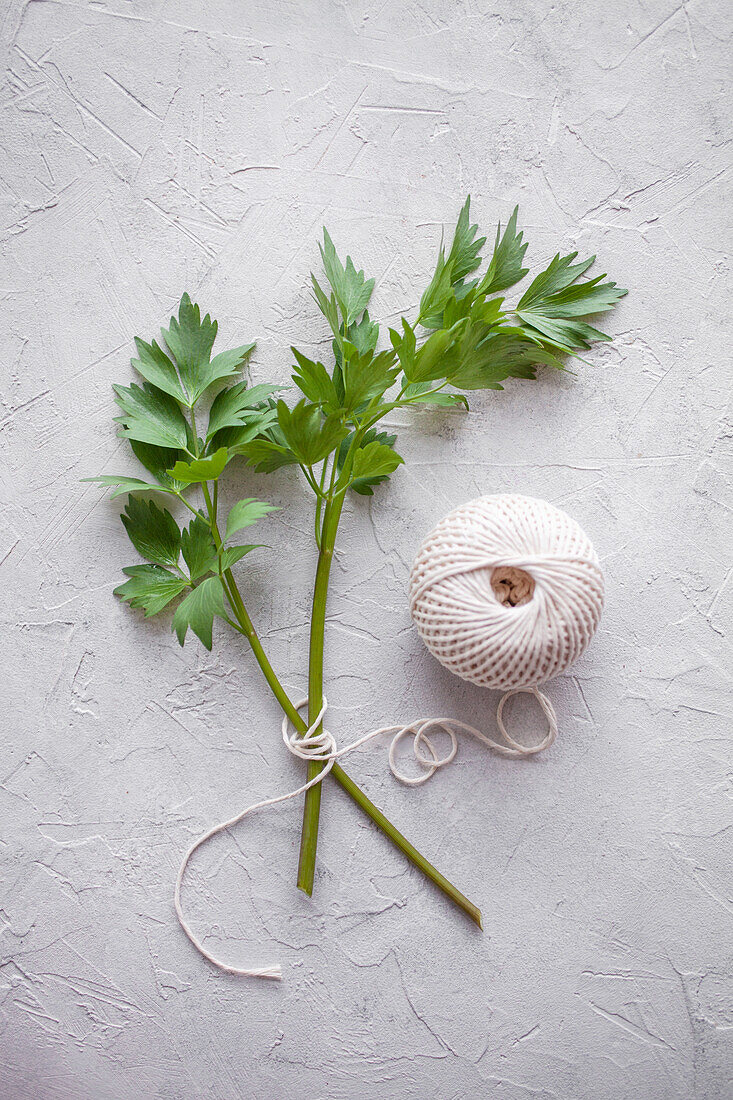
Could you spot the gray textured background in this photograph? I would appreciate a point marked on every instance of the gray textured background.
(149, 148)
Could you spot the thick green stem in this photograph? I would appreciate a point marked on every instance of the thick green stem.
(245, 626)
(404, 845)
(338, 773)
(312, 807)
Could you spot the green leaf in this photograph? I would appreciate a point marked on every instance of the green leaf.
(125, 484)
(226, 364)
(555, 303)
(201, 469)
(562, 335)
(483, 360)
(233, 554)
(155, 366)
(505, 268)
(465, 254)
(350, 286)
(197, 611)
(307, 434)
(559, 274)
(475, 307)
(245, 513)
(327, 305)
(438, 293)
(158, 460)
(190, 340)
(375, 460)
(266, 456)
(198, 549)
(152, 531)
(364, 336)
(151, 416)
(425, 364)
(237, 438)
(313, 380)
(429, 363)
(364, 485)
(366, 376)
(419, 394)
(237, 406)
(150, 587)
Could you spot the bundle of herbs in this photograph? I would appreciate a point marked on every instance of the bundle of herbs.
(465, 337)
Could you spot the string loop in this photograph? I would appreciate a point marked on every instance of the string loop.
(318, 744)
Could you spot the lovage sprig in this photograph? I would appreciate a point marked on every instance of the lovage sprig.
(464, 338)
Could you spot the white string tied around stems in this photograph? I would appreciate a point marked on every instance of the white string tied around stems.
(323, 748)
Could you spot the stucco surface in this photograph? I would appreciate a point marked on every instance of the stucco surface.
(151, 148)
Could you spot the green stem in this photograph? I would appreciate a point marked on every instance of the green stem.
(244, 626)
(345, 781)
(312, 806)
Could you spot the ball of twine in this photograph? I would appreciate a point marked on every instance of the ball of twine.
(506, 591)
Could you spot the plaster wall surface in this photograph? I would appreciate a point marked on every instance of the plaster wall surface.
(151, 148)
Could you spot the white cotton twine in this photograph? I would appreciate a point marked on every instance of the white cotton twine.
(492, 549)
(506, 592)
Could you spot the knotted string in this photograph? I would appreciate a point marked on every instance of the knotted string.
(323, 748)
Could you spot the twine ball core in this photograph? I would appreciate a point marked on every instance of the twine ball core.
(506, 591)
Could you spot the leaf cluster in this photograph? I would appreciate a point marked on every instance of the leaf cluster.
(465, 337)
(162, 418)
(184, 560)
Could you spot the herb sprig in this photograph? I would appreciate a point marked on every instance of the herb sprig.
(465, 338)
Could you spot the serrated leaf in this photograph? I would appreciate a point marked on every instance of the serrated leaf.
(555, 303)
(465, 252)
(364, 486)
(426, 363)
(484, 360)
(237, 438)
(364, 336)
(438, 293)
(351, 288)
(238, 406)
(152, 531)
(585, 299)
(327, 305)
(151, 416)
(375, 460)
(190, 340)
(505, 268)
(558, 275)
(198, 549)
(419, 394)
(150, 587)
(226, 364)
(197, 611)
(125, 484)
(307, 434)
(245, 513)
(157, 461)
(200, 469)
(473, 306)
(313, 380)
(233, 554)
(266, 456)
(561, 334)
(155, 366)
(366, 376)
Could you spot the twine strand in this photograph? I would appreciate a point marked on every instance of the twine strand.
(321, 746)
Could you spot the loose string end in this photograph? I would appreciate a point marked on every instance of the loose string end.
(274, 972)
(321, 746)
